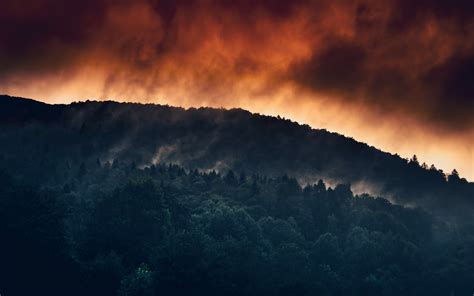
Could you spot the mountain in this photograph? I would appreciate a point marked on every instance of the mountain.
(105, 198)
(36, 135)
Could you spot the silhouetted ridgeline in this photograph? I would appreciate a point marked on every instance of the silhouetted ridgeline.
(35, 134)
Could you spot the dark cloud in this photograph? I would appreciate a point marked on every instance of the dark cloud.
(43, 34)
(452, 85)
(412, 58)
(338, 68)
(407, 13)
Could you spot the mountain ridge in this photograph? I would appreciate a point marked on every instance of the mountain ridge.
(5, 96)
(235, 139)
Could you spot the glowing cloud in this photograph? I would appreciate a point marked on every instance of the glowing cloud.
(395, 74)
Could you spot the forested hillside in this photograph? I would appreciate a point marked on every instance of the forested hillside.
(115, 229)
(103, 198)
(38, 141)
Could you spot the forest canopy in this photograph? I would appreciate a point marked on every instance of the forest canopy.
(102, 198)
(113, 228)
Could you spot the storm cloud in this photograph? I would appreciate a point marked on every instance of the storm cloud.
(398, 60)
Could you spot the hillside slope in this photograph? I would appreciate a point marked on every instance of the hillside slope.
(37, 139)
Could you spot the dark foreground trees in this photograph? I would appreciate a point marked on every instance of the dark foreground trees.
(119, 230)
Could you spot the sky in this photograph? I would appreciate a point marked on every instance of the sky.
(396, 74)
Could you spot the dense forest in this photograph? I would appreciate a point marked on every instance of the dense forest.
(114, 229)
(129, 199)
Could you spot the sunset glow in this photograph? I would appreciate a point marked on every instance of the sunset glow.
(393, 75)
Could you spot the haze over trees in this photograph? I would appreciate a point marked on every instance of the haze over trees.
(217, 139)
(128, 199)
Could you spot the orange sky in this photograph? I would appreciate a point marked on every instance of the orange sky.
(393, 74)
